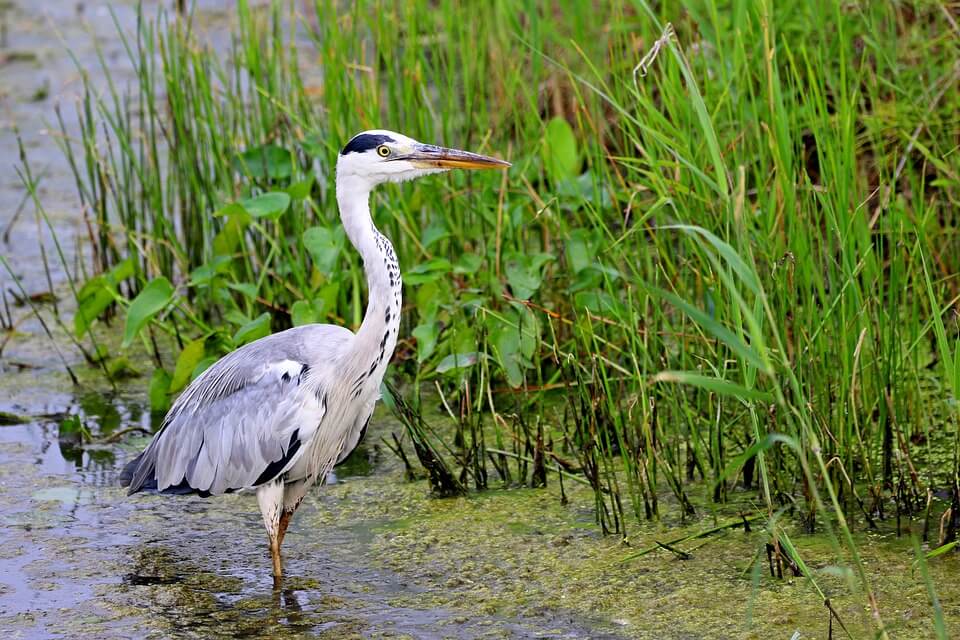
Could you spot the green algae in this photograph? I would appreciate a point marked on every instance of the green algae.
(520, 553)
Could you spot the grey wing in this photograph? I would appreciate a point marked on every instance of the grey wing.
(244, 420)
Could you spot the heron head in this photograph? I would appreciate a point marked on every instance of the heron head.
(379, 156)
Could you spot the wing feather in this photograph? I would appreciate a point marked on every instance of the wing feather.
(243, 419)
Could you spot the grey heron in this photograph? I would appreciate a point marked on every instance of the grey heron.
(277, 414)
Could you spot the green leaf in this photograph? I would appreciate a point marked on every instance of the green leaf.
(523, 282)
(580, 249)
(325, 245)
(746, 273)
(192, 353)
(514, 338)
(120, 272)
(159, 391)
(93, 299)
(456, 361)
(306, 312)
(205, 273)
(560, 156)
(326, 297)
(942, 549)
(120, 367)
(228, 239)
(300, 190)
(236, 317)
(266, 162)
(98, 293)
(426, 335)
(314, 145)
(433, 234)
(428, 271)
(202, 366)
(152, 300)
(597, 301)
(246, 289)
(716, 385)
(706, 125)
(467, 264)
(71, 425)
(257, 328)
(524, 273)
(230, 210)
(267, 205)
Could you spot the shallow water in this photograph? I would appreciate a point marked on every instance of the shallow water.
(81, 559)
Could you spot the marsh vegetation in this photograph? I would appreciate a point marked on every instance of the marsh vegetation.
(716, 292)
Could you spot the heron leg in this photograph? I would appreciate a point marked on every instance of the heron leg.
(275, 557)
(293, 495)
(270, 499)
(283, 524)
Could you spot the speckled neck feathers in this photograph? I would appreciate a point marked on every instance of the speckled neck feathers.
(377, 336)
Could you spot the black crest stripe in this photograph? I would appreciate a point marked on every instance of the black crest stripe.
(365, 142)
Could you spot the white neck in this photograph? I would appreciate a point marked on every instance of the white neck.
(377, 336)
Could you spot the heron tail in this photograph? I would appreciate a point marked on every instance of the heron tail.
(139, 473)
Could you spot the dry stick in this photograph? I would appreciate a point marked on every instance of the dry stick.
(683, 555)
(115, 437)
(708, 541)
(644, 65)
(613, 323)
(949, 17)
(10, 329)
(397, 449)
(835, 616)
(693, 536)
(559, 470)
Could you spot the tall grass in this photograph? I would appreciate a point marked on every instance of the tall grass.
(730, 272)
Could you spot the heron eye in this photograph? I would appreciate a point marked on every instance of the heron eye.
(383, 151)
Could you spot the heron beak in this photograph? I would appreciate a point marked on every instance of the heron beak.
(428, 156)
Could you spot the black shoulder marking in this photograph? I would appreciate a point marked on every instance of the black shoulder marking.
(274, 468)
(365, 142)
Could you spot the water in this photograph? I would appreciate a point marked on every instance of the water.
(80, 559)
